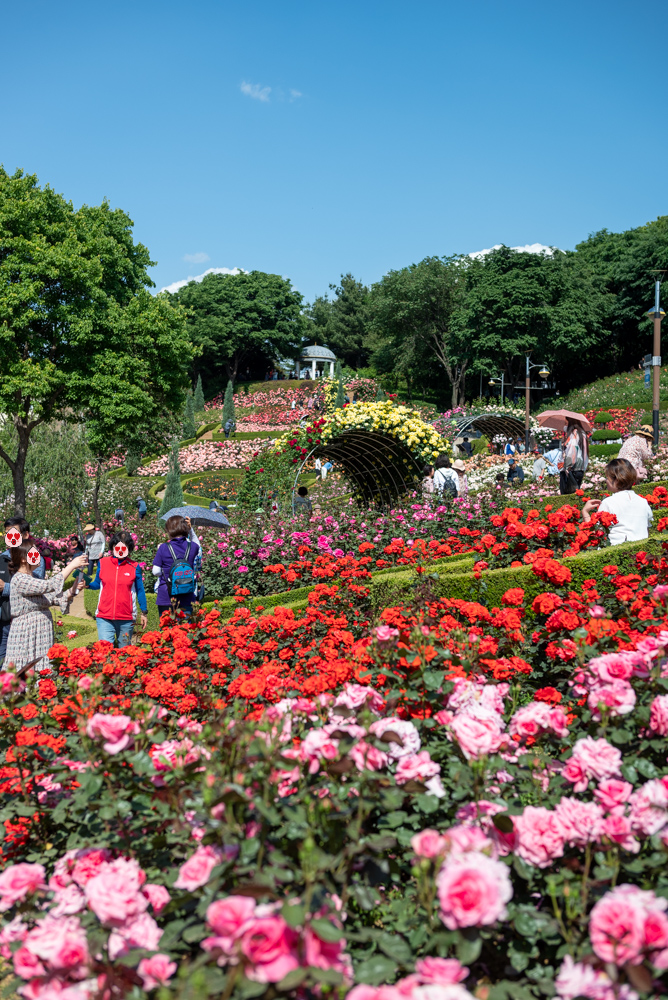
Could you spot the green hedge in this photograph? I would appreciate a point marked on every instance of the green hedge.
(604, 450)
(207, 427)
(603, 435)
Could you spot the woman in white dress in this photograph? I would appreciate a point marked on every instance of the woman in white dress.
(31, 633)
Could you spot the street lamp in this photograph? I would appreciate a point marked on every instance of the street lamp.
(496, 381)
(657, 315)
(544, 372)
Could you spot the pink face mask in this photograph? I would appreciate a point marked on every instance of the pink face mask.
(120, 550)
(13, 538)
(33, 557)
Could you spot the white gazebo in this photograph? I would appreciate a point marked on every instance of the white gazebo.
(317, 357)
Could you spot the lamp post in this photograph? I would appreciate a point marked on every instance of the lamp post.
(657, 315)
(544, 372)
(495, 381)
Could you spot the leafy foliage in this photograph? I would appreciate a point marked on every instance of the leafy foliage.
(173, 491)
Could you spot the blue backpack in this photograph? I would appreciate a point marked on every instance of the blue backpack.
(181, 578)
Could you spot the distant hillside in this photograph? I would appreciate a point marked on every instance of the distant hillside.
(624, 389)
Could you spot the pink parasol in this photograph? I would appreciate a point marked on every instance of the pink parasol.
(558, 419)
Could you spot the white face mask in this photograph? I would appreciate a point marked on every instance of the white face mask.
(120, 550)
(33, 557)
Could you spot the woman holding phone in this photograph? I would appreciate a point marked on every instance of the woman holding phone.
(31, 633)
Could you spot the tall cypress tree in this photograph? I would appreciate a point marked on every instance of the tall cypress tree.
(340, 391)
(189, 428)
(380, 394)
(199, 396)
(173, 492)
(228, 402)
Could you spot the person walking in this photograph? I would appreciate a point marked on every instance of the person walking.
(463, 483)
(94, 547)
(446, 480)
(121, 587)
(318, 469)
(326, 469)
(173, 560)
(142, 509)
(575, 459)
(637, 449)
(633, 513)
(31, 635)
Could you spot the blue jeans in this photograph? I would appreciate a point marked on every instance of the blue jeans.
(113, 628)
(4, 636)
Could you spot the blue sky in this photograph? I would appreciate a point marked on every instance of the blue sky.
(312, 138)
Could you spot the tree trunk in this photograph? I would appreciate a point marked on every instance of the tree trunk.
(18, 471)
(96, 491)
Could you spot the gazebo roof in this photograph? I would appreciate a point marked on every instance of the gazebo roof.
(316, 352)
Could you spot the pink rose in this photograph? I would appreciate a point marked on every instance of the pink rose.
(354, 696)
(156, 971)
(116, 730)
(61, 942)
(401, 737)
(142, 932)
(597, 758)
(539, 836)
(613, 793)
(473, 890)
(575, 979)
(536, 718)
(115, 894)
(580, 822)
(384, 633)
(19, 881)
(649, 807)
(271, 949)
(326, 954)
(613, 666)
(429, 844)
(10, 682)
(195, 872)
(443, 971)
(658, 716)
(157, 896)
(574, 772)
(618, 698)
(478, 735)
(616, 926)
(26, 964)
(366, 757)
(417, 767)
(617, 829)
(229, 917)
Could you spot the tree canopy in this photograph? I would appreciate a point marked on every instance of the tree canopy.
(242, 319)
(80, 335)
(343, 322)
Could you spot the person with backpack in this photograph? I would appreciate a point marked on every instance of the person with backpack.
(446, 480)
(121, 587)
(174, 565)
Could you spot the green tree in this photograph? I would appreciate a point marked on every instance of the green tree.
(237, 318)
(199, 396)
(228, 403)
(189, 427)
(173, 491)
(340, 391)
(81, 338)
(343, 322)
(543, 304)
(414, 324)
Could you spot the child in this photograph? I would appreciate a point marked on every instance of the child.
(633, 513)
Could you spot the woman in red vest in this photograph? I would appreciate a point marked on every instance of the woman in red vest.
(121, 587)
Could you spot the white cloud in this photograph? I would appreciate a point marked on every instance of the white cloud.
(529, 248)
(294, 94)
(196, 258)
(175, 285)
(255, 91)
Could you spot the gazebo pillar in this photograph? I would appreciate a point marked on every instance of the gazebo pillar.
(331, 369)
(313, 369)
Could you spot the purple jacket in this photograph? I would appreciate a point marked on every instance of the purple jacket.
(163, 558)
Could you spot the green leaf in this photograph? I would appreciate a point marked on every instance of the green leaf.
(326, 930)
(375, 970)
(646, 768)
(293, 979)
(394, 947)
(293, 915)
(469, 947)
(330, 976)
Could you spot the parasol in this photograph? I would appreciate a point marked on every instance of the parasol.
(198, 515)
(557, 419)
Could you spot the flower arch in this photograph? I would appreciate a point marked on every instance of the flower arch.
(381, 447)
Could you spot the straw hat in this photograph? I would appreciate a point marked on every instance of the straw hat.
(459, 465)
(646, 431)
(89, 527)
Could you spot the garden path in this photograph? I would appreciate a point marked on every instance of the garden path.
(77, 607)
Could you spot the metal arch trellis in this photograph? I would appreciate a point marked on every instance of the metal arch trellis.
(491, 424)
(380, 467)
